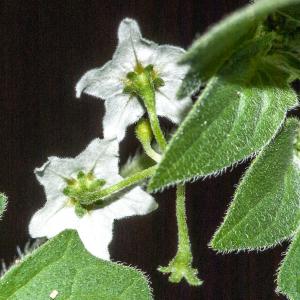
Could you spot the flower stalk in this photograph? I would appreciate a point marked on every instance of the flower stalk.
(88, 198)
(181, 265)
(144, 134)
(143, 82)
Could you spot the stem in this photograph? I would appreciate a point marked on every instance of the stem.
(150, 152)
(180, 266)
(184, 245)
(90, 198)
(147, 93)
(158, 134)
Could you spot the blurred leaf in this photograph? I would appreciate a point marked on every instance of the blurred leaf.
(239, 112)
(292, 11)
(212, 49)
(288, 279)
(3, 203)
(265, 209)
(63, 265)
(288, 62)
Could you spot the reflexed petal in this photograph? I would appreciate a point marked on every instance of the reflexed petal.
(102, 82)
(135, 202)
(168, 106)
(95, 231)
(52, 219)
(121, 111)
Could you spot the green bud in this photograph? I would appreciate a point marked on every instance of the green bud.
(143, 131)
(67, 191)
(80, 175)
(140, 79)
(79, 210)
(96, 184)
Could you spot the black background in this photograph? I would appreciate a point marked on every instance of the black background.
(45, 47)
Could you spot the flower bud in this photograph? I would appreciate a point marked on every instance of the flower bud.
(143, 131)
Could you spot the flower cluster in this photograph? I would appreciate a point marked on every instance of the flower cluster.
(137, 64)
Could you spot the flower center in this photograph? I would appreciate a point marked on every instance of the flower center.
(142, 77)
(83, 183)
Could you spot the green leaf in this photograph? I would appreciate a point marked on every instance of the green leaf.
(265, 209)
(3, 203)
(288, 62)
(238, 113)
(211, 50)
(292, 12)
(63, 265)
(288, 279)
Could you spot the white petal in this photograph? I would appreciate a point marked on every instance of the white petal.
(128, 28)
(135, 202)
(102, 82)
(121, 111)
(131, 43)
(95, 231)
(167, 104)
(165, 61)
(48, 222)
(125, 54)
(101, 156)
(53, 173)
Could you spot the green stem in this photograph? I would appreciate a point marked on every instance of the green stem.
(90, 198)
(181, 265)
(183, 234)
(147, 93)
(150, 152)
(158, 134)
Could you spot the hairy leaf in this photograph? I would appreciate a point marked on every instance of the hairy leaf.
(288, 279)
(292, 12)
(289, 62)
(238, 113)
(3, 203)
(63, 265)
(265, 209)
(211, 50)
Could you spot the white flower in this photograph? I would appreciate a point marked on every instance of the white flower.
(108, 81)
(96, 164)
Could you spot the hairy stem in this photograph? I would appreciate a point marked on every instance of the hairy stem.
(147, 94)
(90, 198)
(183, 234)
(151, 153)
(181, 265)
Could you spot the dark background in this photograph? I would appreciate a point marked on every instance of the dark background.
(45, 47)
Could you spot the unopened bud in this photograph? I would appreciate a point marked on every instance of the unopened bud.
(143, 131)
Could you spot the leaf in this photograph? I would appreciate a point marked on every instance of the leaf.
(288, 62)
(211, 50)
(3, 203)
(265, 209)
(63, 265)
(292, 12)
(288, 279)
(239, 112)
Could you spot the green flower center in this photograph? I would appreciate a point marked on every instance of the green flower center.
(83, 183)
(136, 81)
